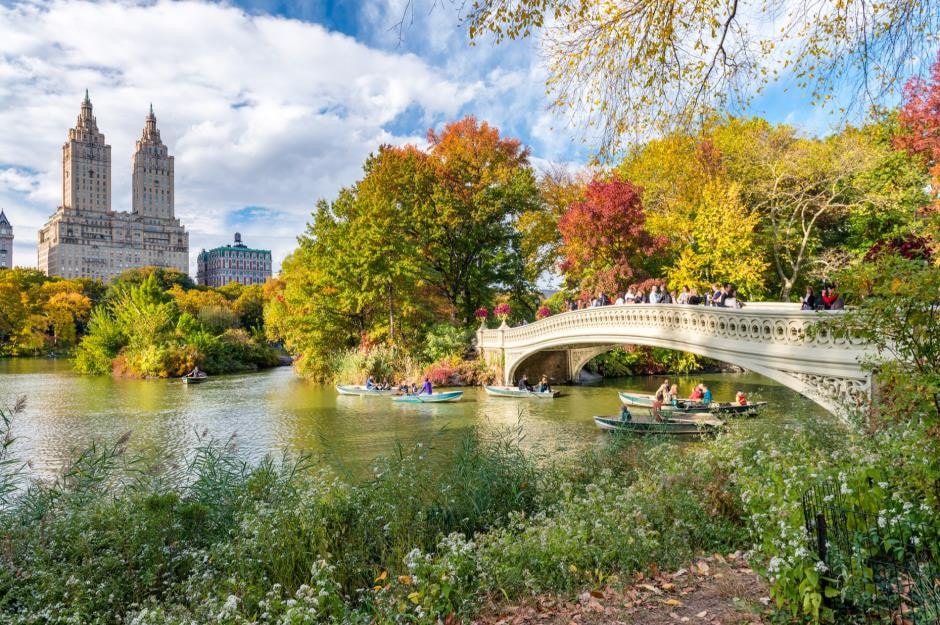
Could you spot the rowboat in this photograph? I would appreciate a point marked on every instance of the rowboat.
(687, 405)
(511, 391)
(362, 391)
(199, 378)
(433, 398)
(703, 423)
(636, 399)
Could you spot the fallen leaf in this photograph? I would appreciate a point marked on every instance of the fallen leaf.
(679, 573)
(701, 614)
(702, 567)
(598, 594)
(652, 589)
(667, 586)
(671, 601)
(381, 576)
(720, 558)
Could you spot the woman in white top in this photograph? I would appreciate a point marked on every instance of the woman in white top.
(619, 301)
(629, 296)
(654, 295)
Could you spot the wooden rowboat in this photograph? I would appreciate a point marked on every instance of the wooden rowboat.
(687, 405)
(361, 391)
(511, 391)
(689, 428)
(433, 398)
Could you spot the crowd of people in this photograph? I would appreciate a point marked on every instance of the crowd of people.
(721, 295)
(828, 299)
(724, 295)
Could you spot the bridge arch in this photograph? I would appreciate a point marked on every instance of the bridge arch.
(769, 339)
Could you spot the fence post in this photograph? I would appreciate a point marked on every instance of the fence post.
(822, 552)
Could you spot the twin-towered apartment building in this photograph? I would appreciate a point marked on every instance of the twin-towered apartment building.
(85, 238)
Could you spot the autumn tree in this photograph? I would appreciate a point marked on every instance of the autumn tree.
(466, 232)
(559, 187)
(605, 243)
(626, 69)
(66, 311)
(920, 122)
(721, 244)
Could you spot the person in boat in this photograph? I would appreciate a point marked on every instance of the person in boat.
(544, 386)
(524, 383)
(706, 395)
(427, 388)
(195, 373)
(740, 399)
(697, 393)
(403, 387)
(663, 391)
(414, 389)
(370, 384)
(625, 413)
(674, 394)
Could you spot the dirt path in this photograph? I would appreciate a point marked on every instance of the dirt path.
(718, 590)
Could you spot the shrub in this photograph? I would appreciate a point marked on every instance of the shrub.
(444, 341)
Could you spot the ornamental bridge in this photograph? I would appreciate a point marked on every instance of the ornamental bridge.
(766, 338)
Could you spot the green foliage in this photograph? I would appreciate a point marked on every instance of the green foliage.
(633, 360)
(896, 312)
(143, 331)
(445, 340)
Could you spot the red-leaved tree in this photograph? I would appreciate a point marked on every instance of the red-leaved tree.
(920, 122)
(605, 244)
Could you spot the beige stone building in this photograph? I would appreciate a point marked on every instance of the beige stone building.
(85, 238)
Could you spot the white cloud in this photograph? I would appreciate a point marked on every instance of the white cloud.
(258, 110)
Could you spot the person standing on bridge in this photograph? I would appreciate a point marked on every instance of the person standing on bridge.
(654, 294)
(808, 300)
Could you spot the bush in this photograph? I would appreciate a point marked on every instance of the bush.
(444, 341)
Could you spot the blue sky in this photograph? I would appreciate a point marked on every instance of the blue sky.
(266, 105)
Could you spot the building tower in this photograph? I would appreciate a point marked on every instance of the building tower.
(86, 165)
(6, 242)
(152, 174)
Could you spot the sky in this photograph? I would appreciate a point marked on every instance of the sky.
(266, 105)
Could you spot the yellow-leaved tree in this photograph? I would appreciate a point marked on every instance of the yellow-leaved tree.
(722, 244)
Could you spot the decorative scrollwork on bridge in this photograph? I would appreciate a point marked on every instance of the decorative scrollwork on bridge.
(772, 339)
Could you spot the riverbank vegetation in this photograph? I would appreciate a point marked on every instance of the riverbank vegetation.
(153, 324)
(39, 314)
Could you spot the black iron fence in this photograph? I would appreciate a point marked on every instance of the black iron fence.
(884, 568)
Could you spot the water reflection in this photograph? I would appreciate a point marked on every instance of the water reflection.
(273, 410)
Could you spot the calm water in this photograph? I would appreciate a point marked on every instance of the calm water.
(273, 410)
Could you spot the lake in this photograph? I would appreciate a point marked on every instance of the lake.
(273, 410)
